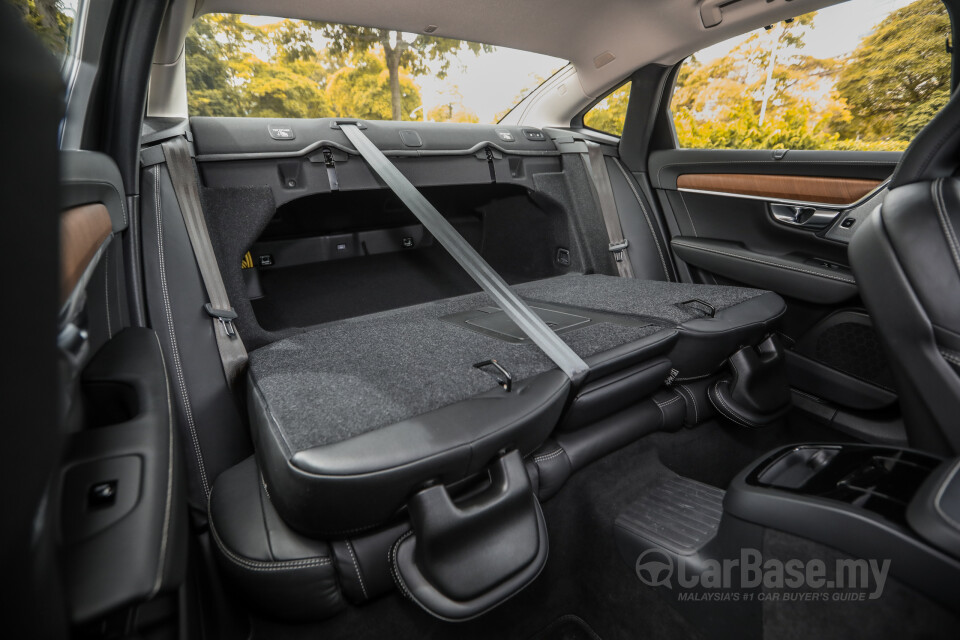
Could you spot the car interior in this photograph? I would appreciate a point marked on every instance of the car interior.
(346, 376)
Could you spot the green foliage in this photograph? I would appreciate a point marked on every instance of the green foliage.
(413, 55)
(362, 90)
(875, 99)
(609, 114)
(899, 76)
(225, 79)
(362, 72)
(48, 21)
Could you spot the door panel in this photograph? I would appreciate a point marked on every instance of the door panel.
(773, 220)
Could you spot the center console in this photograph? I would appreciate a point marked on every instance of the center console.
(865, 500)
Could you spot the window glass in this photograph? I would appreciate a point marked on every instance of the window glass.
(608, 114)
(862, 75)
(52, 20)
(240, 65)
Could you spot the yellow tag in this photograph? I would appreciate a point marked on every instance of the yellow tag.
(247, 261)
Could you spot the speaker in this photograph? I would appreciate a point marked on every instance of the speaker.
(847, 341)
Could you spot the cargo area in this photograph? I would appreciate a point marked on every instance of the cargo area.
(338, 255)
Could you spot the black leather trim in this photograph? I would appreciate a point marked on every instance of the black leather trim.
(648, 251)
(363, 563)
(89, 176)
(928, 387)
(790, 275)
(598, 399)
(552, 468)
(174, 302)
(933, 152)
(584, 446)
(706, 343)
(103, 571)
(614, 360)
(722, 401)
(318, 490)
(699, 409)
(417, 588)
(272, 567)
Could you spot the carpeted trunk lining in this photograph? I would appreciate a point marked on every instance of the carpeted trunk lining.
(321, 292)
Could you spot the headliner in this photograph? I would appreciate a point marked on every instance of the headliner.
(637, 32)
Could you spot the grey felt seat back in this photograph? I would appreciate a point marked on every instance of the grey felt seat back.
(363, 411)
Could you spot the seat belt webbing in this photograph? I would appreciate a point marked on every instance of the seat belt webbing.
(489, 280)
(233, 355)
(597, 168)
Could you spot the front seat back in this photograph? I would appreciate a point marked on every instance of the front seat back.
(906, 258)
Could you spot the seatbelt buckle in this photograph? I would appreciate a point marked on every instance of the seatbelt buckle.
(618, 250)
(225, 317)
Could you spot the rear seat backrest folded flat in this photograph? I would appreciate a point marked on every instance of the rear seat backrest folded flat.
(351, 415)
(352, 419)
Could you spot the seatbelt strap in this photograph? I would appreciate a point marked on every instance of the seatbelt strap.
(233, 355)
(597, 168)
(489, 280)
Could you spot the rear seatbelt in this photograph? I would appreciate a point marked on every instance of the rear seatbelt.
(233, 355)
(597, 168)
(489, 280)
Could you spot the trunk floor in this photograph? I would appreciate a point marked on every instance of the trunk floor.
(305, 295)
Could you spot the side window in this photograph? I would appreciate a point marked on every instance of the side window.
(858, 76)
(608, 114)
(52, 20)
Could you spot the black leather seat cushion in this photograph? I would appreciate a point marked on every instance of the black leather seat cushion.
(275, 569)
(349, 418)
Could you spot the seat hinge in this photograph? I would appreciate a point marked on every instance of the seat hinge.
(225, 317)
(331, 166)
(618, 250)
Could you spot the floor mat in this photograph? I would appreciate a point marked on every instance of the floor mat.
(569, 627)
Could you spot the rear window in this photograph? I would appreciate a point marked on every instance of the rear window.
(257, 66)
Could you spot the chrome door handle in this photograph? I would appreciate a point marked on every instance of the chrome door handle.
(802, 216)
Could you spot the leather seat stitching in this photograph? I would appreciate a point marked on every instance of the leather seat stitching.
(174, 348)
(948, 231)
(259, 565)
(693, 399)
(548, 456)
(727, 411)
(356, 567)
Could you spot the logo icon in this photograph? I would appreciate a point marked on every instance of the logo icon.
(655, 568)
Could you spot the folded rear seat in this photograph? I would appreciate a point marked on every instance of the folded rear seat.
(408, 428)
(350, 417)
